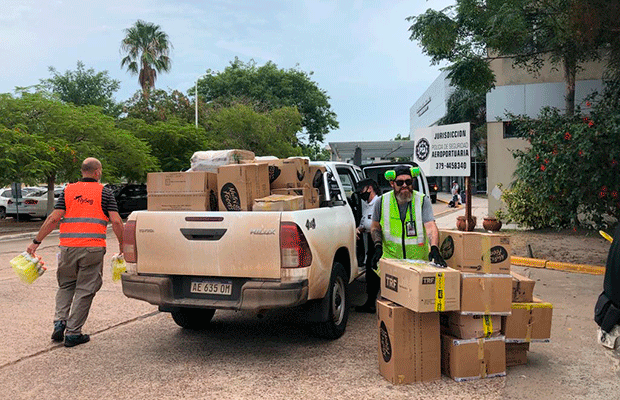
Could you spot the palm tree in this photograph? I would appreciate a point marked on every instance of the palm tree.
(146, 47)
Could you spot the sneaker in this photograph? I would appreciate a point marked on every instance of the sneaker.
(59, 331)
(74, 340)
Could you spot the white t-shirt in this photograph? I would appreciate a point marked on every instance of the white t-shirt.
(367, 209)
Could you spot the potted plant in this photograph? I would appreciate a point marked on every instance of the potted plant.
(493, 223)
(462, 226)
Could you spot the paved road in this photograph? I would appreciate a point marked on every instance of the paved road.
(139, 353)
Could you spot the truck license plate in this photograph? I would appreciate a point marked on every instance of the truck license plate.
(205, 287)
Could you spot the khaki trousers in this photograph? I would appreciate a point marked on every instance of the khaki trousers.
(79, 276)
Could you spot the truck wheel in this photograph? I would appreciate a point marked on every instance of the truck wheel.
(193, 318)
(338, 303)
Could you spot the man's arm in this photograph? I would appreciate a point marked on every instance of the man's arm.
(117, 227)
(432, 232)
(375, 233)
(51, 222)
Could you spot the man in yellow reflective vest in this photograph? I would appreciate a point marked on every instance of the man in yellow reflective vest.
(83, 211)
(403, 224)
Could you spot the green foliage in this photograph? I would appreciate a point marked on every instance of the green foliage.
(570, 176)
(161, 106)
(272, 88)
(84, 87)
(146, 48)
(271, 133)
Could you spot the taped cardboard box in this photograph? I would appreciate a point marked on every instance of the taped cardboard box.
(487, 253)
(522, 288)
(310, 195)
(289, 173)
(211, 160)
(239, 184)
(486, 294)
(420, 285)
(278, 202)
(316, 176)
(529, 322)
(180, 182)
(516, 354)
(179, 202)
(468, 359)
(470, 326)
(409, 344)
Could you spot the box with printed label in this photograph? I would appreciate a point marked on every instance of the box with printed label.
(468, 359)
(278, 202)
(239, 184)
(470, 326)
(529, 322)
(522, 288)
(486, 294)
(516, 354)
(180, 182)
(310, 195)
(487, 253)
(178, 202)
(420, 285)
(409, 344)
(316, 176)
(289, 173)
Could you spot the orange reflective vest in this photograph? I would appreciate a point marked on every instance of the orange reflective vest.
(84, 223)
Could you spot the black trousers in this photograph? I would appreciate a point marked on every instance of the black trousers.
(372, 279)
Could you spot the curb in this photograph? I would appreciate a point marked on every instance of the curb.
(557, 266)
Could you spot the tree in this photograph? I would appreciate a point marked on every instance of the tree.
(147, 48)
(84, 87)
(50, 139)
(160, 106)
(272, 88)
(527, 31)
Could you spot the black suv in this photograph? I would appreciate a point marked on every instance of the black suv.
(376, 172)
(130, 197)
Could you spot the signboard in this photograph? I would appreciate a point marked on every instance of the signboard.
(443, 150)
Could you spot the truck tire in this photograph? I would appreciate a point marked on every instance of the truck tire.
(337, 297)
(193, 318)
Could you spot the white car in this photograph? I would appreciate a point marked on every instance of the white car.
(31, 205)
(6, 194)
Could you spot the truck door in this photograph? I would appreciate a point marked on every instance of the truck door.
(349, 179)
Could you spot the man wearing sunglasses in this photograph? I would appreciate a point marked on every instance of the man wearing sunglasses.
(403, 224)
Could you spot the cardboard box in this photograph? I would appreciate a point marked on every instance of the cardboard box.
(178, 202)
(486, 294)
(487, 253)
(467, 359)
(211, 160)
(310, 195)
(239, 184)
(316, 176)
(409, 344)
(419, 285)
(180, 182)
(278, 202)
(522, 288)
(470, 326)
(516, 354)
(289, 173)
(529, 322)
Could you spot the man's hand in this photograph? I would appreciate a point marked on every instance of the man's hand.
(378, 254)
(435, 257)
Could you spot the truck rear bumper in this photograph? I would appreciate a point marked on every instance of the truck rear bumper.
(254, 294)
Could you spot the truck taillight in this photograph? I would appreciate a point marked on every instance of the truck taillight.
(294, 249)
(129, 242)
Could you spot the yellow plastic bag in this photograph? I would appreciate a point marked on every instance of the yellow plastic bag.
(118, 266)
(28, 267)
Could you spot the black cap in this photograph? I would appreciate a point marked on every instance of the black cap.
(403, 170)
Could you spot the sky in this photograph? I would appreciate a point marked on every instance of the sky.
(358, 51)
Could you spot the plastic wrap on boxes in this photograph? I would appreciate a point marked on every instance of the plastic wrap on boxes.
(211, 160)
(118, 266)
(27, 267)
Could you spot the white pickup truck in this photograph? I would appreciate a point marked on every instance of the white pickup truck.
(191, 263)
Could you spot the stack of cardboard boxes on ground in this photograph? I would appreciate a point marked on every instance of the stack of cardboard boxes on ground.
(469, 320)
(234, 180)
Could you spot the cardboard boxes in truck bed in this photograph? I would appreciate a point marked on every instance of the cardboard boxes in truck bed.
(211, 160)
(522, 288)
(278, 202)
(310, 195)
(409, 344)
(289, 172)
(470, 326)
(487, 253)
(486, 294)
(529, 322)
(239, 184)
(182, 191)
(467, 359)
(419, 285)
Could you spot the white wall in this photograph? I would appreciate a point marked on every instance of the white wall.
(432, 105)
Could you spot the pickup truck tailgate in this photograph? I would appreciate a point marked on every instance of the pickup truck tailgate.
(231, 244)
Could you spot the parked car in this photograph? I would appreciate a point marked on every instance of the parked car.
(31, 205)
(376, 171)
(6, 194)
(131, 197)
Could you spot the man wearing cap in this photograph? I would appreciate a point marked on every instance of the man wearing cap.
(403, 224)
(369, 191)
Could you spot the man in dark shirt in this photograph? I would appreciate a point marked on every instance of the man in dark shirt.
(83, 210)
